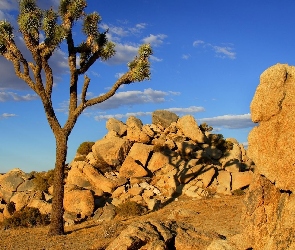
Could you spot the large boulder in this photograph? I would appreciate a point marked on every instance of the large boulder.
(111, 151)
(79, 202)
(272, 143)
(188, 125)
(163, 118)
(270, 203)
(115, 125)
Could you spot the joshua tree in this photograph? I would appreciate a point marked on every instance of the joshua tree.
(56, 28)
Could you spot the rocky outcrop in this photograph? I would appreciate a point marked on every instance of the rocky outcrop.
(149, 164)
(269, 216)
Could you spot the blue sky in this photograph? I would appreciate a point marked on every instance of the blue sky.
(208, 56)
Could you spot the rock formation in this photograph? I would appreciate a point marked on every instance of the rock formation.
(269, 215)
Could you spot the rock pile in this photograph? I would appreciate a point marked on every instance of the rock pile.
(147, 164)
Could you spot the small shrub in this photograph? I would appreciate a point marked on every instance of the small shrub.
(11, 207)
(43, 180)
(80, 158)
(204, 127)
(27, 217)
(238, 192)
(129, 208)
(85, 148)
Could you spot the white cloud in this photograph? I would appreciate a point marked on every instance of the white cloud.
(190, 110)
(117, 32)
(186, 56)
(130, 98)
(154, 40)
(6, 115)
(226, 51)
(11, 96)
(197, 43)
(8, 5)
(121, 116)
(230, 121)
(155, 59)
(118, 75)
(124, 54)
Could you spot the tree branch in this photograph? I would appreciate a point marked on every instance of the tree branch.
(84, 89)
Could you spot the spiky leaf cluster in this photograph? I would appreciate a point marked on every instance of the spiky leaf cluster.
(30, 18)
(90, 25)
(6, 34)
(140, 66)
(54, 33)
(72, 9)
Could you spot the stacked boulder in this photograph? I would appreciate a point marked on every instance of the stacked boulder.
(147, 164)
(153, 164)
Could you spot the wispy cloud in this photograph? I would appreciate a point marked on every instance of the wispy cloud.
(198, 43)
(130, 98)
(186, 56)
(178, 111)
(229, 121)
(127, 98)
(154, 40)
(6, 115)
(226, 51)
(124, 53)
(11, 96)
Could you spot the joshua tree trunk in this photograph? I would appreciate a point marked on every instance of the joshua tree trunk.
(57, 225)
(95, 46)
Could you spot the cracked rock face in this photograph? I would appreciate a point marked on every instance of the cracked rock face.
(272, 142)
(270, 203)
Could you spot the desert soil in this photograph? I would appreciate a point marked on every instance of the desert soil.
(215, 215)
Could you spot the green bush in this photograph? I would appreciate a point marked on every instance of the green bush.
(43, 180)
(204, 127)
(27, 217)
(85, 148)
(129, 208)
(11, 207)
(219, 142)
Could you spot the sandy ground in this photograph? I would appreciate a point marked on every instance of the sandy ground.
(219, 215)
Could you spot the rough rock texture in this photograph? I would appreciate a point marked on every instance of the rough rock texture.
(164, 118)
(269, 217)
(272, 143)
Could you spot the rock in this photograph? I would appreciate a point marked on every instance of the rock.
(221, 245)
(132, 168)
(213, 152)
(108, 213)
(269, 216)
(166, 184)
(43, 206)
(27, 185)
(12, 180)
(119, 127)
(207, 176)
(241, 180)
(77, 177)
(140, 152)
(233, 155)
(134, 131)
(144, 235)
(157, 161)
(224, 182)
(188, 125)
(190, 170)
(80, 202)
(164, 118)
(99, 181)
(21, 200)
(273, 108)
(111, 151)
